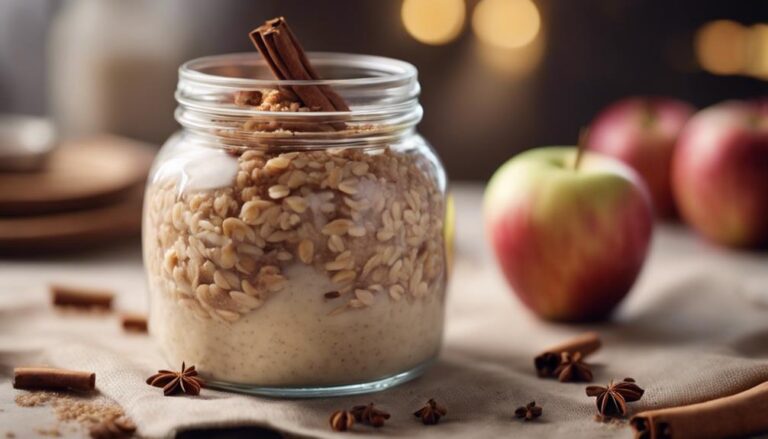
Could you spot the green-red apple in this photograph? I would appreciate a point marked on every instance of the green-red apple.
(570, 241)
(642, 132)
(720, 173)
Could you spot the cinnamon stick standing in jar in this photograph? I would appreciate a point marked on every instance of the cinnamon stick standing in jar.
(46, 378)
(738, 415)
(81, 297)
(547, 361)
(286, 59)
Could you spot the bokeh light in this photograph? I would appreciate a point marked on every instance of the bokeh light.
(513, 63)
(721, 47)
(507, 24)
(725, 47)
(758, 51)
(433, 21)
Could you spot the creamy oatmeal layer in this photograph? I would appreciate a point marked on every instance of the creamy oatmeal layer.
(292, 341)
(296, 268)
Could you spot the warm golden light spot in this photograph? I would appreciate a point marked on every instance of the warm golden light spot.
(433, 21)
(513, 63)
(757, 51)
(506, 24)
(721, 47)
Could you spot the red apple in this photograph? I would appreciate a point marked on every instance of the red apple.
(570, 241)
(641, 132)
(720, 173)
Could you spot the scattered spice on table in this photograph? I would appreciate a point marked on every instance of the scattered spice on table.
(332, 295)
(529, 412)
(612, 400)
(573, 369)
(369, 415)
(548, 361)
(83, 298)
(738, 415)
(48, 378)
(431, 413)
(88, 411)
(134, 322)
(185, 381)
(116, 428)
(342, 420)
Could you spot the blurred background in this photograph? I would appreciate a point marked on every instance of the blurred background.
(498, 76)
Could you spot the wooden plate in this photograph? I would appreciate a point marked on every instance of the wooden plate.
(79, 174)
(71, 231)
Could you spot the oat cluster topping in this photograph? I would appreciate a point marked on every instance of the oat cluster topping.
(371, 220)
(267, 100)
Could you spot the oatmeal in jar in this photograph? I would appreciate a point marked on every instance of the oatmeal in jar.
(281, 258)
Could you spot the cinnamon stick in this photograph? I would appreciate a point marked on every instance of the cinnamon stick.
(287, 60)
(45, 378)
(742, 414)
(81, 297)
(547, 361)
(134, 322)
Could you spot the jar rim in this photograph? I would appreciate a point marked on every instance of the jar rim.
(389, 70)
(380, 92)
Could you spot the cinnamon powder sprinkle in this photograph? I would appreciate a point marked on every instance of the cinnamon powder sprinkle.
(87, 412)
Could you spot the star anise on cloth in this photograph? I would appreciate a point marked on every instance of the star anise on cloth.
(431, 413)
(529, 412)
(612, 400)
(370, 415)
(573, 369)
(172, 382)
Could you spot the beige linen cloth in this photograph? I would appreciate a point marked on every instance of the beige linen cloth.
(692, 329)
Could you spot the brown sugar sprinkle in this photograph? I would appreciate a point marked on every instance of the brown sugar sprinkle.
(86, 411)
(48, 432)
(248, 98)
(35, 399)
(117, 428)
(371, 221)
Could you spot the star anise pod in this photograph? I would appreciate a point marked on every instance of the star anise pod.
(529, 412)
(431, 413)
(572, 369)
(370, 415)
(546, 364)
(341, 420)
(172, 382)
(612, 400)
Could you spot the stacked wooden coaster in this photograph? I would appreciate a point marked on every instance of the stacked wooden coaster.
(88, 193)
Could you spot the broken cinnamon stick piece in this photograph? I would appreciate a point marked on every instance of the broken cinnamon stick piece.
(739, 415)
(287, 60)
(81, 297)
(134, 322)
(45, 378)
(549, 360)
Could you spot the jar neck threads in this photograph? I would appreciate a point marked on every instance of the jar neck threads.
(382, 94)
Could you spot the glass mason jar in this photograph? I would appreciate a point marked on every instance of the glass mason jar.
(293, 252)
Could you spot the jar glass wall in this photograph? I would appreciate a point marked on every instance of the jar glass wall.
(293, 252)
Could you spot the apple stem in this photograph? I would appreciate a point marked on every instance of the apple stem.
(581, 147)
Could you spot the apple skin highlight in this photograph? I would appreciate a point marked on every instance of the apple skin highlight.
(720, 173)
(642, 132)
(571, 243)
